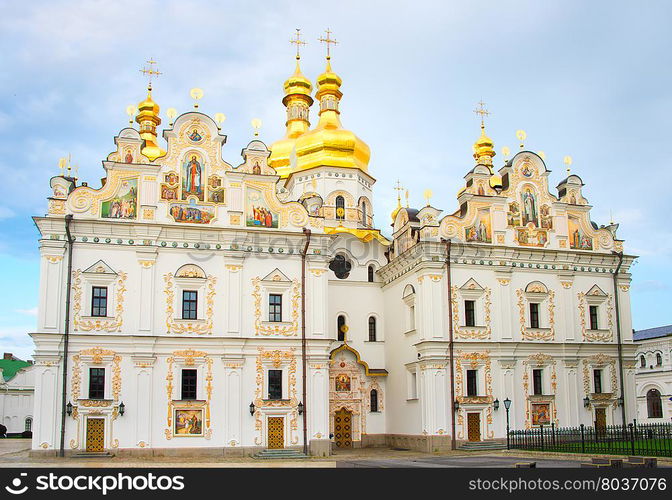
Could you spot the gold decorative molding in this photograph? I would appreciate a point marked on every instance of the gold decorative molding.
(87, 325)
(504, 281)
(148, 213)
(566, 284)
(624, 288)
(263, 329)
(317, 272)
(189, 357)
(234, 219)
(54, 259)
(595, 335)
(199, 326)
(234, 268)
(463, 332)
(599, 360)
(474, 360)
(544, 334)
(146, 263)
(539, 360)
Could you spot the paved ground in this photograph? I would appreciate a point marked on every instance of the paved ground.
(14, 453)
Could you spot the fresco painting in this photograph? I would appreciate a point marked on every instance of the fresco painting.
(191, 213)
(578, 239)
(188, 422)
(481, 231)
(259, 213)
(192, 177)
(125, 202)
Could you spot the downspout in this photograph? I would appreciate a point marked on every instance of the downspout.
(66, 333)
(450, 347)
(618, 334)
(306, 231)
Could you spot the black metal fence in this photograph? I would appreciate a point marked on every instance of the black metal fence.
(631, 439)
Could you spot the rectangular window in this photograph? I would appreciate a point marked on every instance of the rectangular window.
(413, 389)
(411, 317)
(597, 381)
(189, 381)
(189, 303)
(537, 382)
(99, 301)
(593, 318)
(472, 382)
(534, 315)
(274, 384)
(96, 383)
(275, 307)
(469, 313)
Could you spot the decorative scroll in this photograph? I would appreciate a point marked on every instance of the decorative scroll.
(267, 329)
(200, 326)
(463, 332)
(101, 324)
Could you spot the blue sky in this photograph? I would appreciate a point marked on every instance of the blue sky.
(586, 79)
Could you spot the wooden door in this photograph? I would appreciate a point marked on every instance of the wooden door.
(95, 434)
(600, 419)
(276, 432)
(343, 428)
(474, 426)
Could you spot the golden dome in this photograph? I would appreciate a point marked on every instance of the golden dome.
(484, 149)
(495, 181)
(329, 143)
(148, 119)
(297, 100)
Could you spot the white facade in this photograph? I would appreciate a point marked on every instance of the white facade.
(653, 375)
(233, 239)
(17, 400)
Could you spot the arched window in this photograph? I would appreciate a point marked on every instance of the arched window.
(642, 361)
(659, 359)
(342, 328)
(28, 424)
(371, 274)
(372, 329)
(654, 404)
(364, 213)
(340, 208)
(374, 400)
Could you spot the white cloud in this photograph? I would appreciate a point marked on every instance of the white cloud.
(29, 312)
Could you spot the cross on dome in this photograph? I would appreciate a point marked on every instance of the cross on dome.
(298, 42)
(150, 71)
(328, 40)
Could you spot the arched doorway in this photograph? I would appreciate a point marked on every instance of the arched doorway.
(654, 404)
(343, 428)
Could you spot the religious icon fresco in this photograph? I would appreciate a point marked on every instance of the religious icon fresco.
(342, 383)
(195, 136)
(546, 218)
(481, 231)
(513, 215)
(191, 213)
(259, 213)
(529, 208)
(192, 177)
(129, 156)
(578, 239)
(188, 422)
(530, 237)
(124, 204)
(541, 413)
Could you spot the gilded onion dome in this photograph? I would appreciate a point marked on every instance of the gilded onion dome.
(148, 119)
(297, 100)
(329, 144)
(484, 149)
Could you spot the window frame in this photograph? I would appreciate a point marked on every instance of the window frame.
(373, 329)
(98, 379)
(189, 386)
(469, 312)
(593, 316)
(534, 315)
(537, 381)
(275, 308)
(339, 202)
(186, 301)
(598, 386)
(373, 400)
(654, 404)
(100, 299)
(341, 335)
(472, 382)
(275, 385)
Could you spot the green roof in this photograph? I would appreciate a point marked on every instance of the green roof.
(10, 367)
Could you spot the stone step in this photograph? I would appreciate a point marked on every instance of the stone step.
(93, 454)
(283, 454)
(482, 445)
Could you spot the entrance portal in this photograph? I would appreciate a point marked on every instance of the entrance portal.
(343, 428)
(95, 435)
(474, 426)
(276, 432)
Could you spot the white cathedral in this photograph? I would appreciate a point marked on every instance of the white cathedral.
(193, 306)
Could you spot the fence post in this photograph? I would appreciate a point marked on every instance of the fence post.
(553, 433)
(583, 440)
(632, 438)
(541, 429)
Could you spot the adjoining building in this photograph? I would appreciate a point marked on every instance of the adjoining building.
(654, 374)
(188, 283)
(17, 389)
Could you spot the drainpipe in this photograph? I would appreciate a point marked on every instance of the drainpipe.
(66, 332)
(618, 332)
(450, 346)
(306, 232)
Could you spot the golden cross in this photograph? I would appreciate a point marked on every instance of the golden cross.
(150, 71)
(482, 111)
(298, 42)
(328, 41)
(398, 189)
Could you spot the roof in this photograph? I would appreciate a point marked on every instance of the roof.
(652, 333)
(11, 366)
